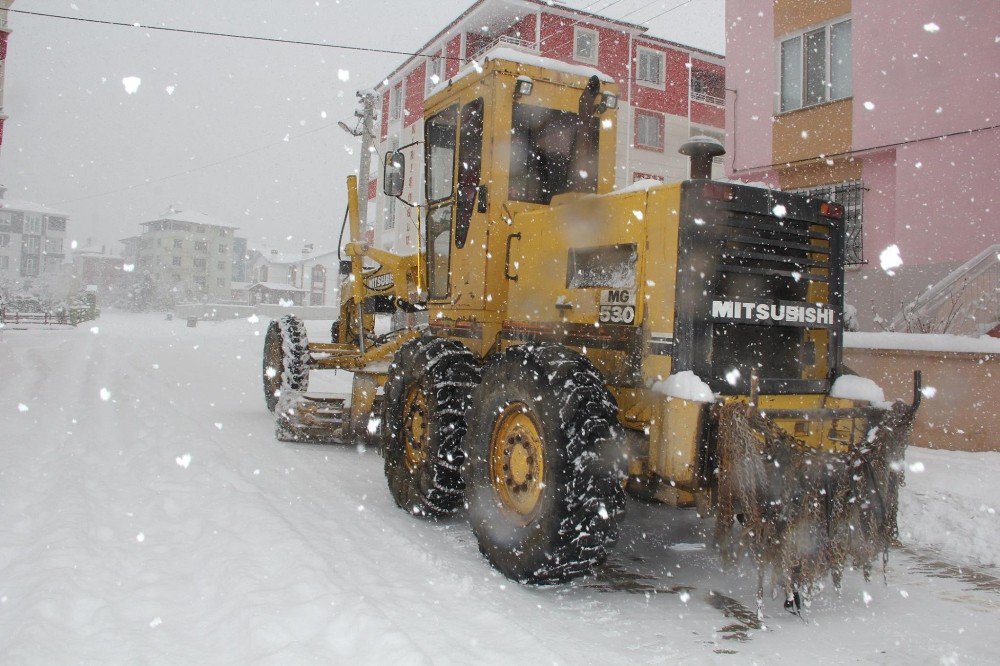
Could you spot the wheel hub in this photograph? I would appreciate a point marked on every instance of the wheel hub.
(517, 462)
(415, 431)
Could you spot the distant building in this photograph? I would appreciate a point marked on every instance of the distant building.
(32, 237)
(186, 253)
(241, 258)
(314, 275)
(94, 265)
(668, 93)
(4, 36)
(888, 107)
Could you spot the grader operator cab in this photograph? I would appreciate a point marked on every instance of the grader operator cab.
(681, 342)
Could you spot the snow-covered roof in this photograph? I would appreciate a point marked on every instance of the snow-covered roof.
(275, 286)
(30, 207)
(191, 217)
(292, 257)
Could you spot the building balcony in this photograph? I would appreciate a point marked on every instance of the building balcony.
(508, 41)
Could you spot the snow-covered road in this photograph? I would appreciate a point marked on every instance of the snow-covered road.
(148, 515)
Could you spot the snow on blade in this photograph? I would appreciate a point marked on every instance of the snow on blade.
(685, 386)
(852, 387)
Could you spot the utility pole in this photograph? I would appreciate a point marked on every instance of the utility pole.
(368, 99)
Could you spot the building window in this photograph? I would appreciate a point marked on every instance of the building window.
(32, 223)
(176, 261)
(263, 274)
(4, 240)
(816, 66)
(221, 282)
(585, 45)
(4, 263)
(221, 265)
(223, 249)
(649, 130)
(649, 67)
(396, 102)
(178, 243)
(435, 71)
(30, 243)
(199, 281)
(201, 246)
(850, 195)
(638, 175)
(6, 219)
(30, 266)
(57, 224)
(199, 263)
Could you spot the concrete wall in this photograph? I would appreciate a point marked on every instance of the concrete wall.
(962, 415)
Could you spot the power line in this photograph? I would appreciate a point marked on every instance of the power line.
(195, 169)
(208, 33)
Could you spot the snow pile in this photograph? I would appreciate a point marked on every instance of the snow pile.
(685, 386)
(948, 505)
(852, 387)
(939, 342)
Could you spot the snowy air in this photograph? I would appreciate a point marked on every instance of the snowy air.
(499, 332)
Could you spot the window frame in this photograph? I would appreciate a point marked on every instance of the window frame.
(396, 102)
(435, 66)
(579, 30)
(801, 35)
(661, 120)
(639, 50)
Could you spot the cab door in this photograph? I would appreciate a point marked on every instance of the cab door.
(457, 205)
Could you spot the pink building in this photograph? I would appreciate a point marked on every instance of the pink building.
(668, 92)
(890, 107)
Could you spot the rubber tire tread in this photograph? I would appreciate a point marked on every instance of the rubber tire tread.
(578, 417)
(294, 371)
(447, 372)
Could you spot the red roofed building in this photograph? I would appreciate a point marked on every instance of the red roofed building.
(669, 92)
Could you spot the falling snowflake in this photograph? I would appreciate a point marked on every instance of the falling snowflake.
(105, 394)
(779, 211)
(170, 89)
(21, 407)
(870, 106)
(917, 467)
(131, 84)
(932, 27)
(183, 460)
(343, 75)
(890, 259)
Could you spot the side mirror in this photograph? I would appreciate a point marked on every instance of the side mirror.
(393, 173)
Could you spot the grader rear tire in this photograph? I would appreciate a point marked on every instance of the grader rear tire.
(423, 422)
(286, 359)
(542, 465)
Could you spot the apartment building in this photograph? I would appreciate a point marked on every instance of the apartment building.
(32, 239)
(4, 36)
(885, 106)
(313, 277)
(187, 253)
(668, 92)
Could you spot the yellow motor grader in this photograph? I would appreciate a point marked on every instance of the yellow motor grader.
(680, 342)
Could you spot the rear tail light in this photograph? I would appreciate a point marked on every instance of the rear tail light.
(831, 210)
(718, 191)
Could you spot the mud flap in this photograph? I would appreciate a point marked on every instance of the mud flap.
(800, 512)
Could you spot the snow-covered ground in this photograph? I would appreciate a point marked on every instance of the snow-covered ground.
(148, 515)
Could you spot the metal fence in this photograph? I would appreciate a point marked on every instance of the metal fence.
(850, 195)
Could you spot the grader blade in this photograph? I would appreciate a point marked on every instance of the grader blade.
(801, 512)
(312, 418)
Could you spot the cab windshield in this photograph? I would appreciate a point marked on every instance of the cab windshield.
(552, 152)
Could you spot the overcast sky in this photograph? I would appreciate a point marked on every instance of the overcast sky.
(241, 130)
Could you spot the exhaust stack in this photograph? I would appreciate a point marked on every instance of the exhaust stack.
(701, 150)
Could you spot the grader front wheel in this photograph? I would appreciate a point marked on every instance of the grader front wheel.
(286, 359)
(541, 471)
(423, 421)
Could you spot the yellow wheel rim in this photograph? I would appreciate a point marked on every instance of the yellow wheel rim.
(517, 462)
(415, 431)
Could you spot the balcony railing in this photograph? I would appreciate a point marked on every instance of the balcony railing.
(506, 40)
(708, 99)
